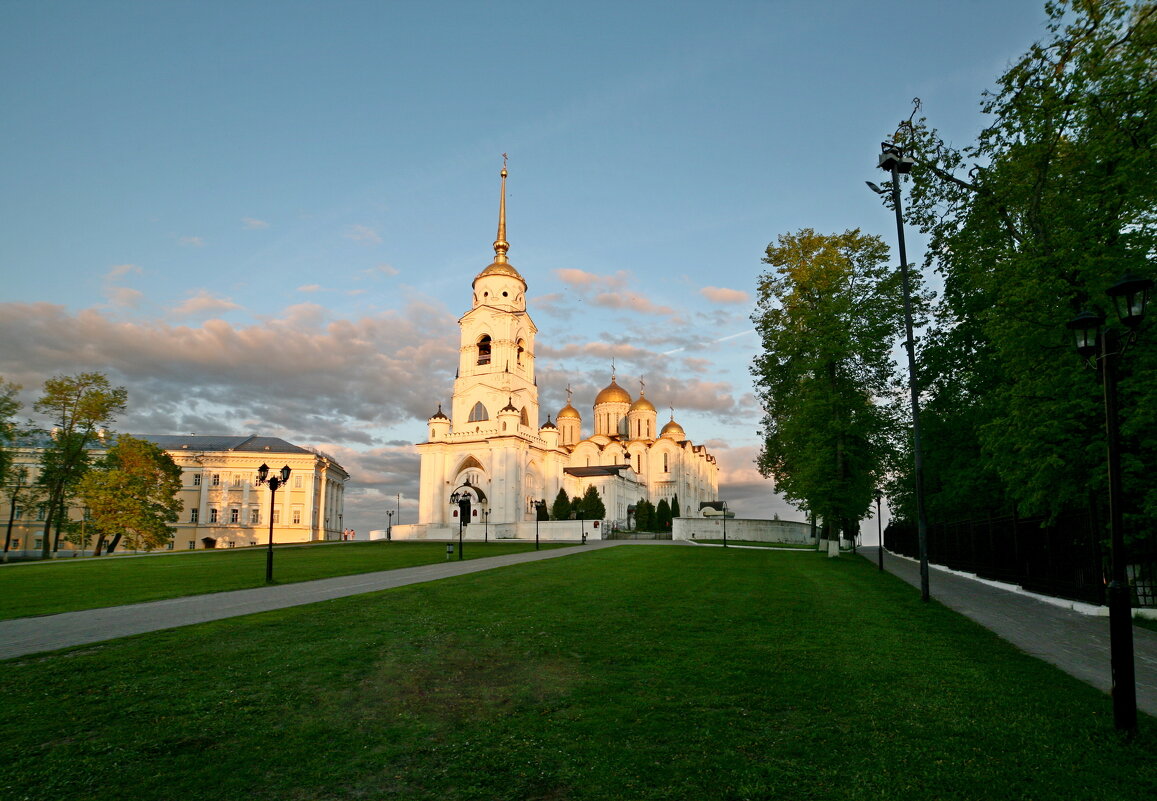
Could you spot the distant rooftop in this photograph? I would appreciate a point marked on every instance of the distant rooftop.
(222, 442)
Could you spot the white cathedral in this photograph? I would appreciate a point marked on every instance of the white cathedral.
(492, 449)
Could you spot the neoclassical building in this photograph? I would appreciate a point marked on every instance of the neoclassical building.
(222, 501)
(490, 445)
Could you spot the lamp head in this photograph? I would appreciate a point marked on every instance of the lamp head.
(262, 473)
(1086, 326)
(1130, 295)
(285, 471)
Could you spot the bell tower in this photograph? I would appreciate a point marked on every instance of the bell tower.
(496, 348)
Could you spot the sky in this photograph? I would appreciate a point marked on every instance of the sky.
(265, 217)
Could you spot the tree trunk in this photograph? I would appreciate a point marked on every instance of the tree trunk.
(113, 545)
(96, 549)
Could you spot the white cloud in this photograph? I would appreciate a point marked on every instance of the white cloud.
(118, 271)
(309, 288)
(363, 233)
(123, 297)
(191, 242)
(253, 224)
(717, 294)
(203, 303)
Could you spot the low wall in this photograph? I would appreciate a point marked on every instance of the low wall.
(557, 530)
(711, 528)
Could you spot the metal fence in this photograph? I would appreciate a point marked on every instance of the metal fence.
(1064, 558)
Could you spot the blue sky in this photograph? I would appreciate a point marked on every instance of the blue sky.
(264, 217)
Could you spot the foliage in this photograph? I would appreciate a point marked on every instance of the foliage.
(540, 510)
(828, 314)
(663, 515)
(590, 505)
(133, 492)
(644, 515)
(623, 673)
(1055, 200)
(9, 406)
(78, 406)
(560, 509)
(675, 512)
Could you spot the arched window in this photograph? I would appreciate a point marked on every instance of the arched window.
(524, 419)
(478, 413)
(521, 349)
(484, 351)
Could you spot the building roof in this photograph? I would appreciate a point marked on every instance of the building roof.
(596, 470)
(222, 442)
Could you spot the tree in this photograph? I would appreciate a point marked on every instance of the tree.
(675, 512)
(590, 505)
(663, 515)
(78, 406)
(828, 316)
(9, 406)
(132, 492)
(1055, 200)
(644, 515)
(560, 509)
(540, 510)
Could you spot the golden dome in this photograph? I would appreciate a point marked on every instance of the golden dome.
(673, 431)
(613, 393)
(642, 405)
(501, 268)
(569, 411)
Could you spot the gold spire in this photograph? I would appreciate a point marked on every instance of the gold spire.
(500, 244)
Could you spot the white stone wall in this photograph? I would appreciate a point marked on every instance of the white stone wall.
(785, 531)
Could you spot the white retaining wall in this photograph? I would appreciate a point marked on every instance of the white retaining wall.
(711, 528)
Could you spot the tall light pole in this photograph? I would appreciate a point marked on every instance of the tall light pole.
(880, 528)
(1102, 343)
(389, 524)
(724, 524)
(486, 524)
(893, 160)
(274, 482)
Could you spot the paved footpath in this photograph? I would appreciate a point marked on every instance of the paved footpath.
(30, 635)
(1075, 642)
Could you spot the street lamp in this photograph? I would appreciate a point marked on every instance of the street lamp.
(274, 482)
(538, 507)
(389, 524)
(1102, 344)
(880, 528)
(724, 524)
(893, 160)
(486, 525)
(462, 498)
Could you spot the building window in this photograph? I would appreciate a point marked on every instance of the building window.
(216, 479)
(18, 513)
(41, 511)
(254, 516)
(213, 514)
(192, 545)
(234, 515)
(666, 467)
(297, 515)
(484, 349)
(236, 479)
(196, 479)
(277, 515)
(478, 413)
(297, 481)
(194, 515)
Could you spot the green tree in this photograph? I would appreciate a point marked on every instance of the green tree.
(644, 515)
(560, 509)
(133, 493)
(1055, 200)
(540, 510)
(675, 512)
(590, 505)
(78, 406)
(828, 315)
(663, 515)
(9, 406)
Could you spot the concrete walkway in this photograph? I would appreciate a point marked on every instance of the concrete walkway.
(30, 635)
(1077, 643)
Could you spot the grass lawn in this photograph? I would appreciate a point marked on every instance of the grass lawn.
(637, 672)
(68, 585)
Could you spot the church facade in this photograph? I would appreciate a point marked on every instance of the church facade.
(489, 447)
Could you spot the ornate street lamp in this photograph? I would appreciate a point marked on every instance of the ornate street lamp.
(463, 497)
(389, 524)
(893, 160)
(275, 482)
(1102, 344)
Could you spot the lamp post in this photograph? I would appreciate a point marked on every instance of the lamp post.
(538, 507)
(389, 524)
(880, 528)
(1102, 344)
(486, 524)
(724, 524)
(893, 160)
(274, 482)
(462, 498)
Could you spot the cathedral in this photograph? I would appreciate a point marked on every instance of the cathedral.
(490, 460)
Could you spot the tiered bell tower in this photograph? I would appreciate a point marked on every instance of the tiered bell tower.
(496, 349)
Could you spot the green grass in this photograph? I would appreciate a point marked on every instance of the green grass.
(637, 672)
(69, 585)
(794, 546)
